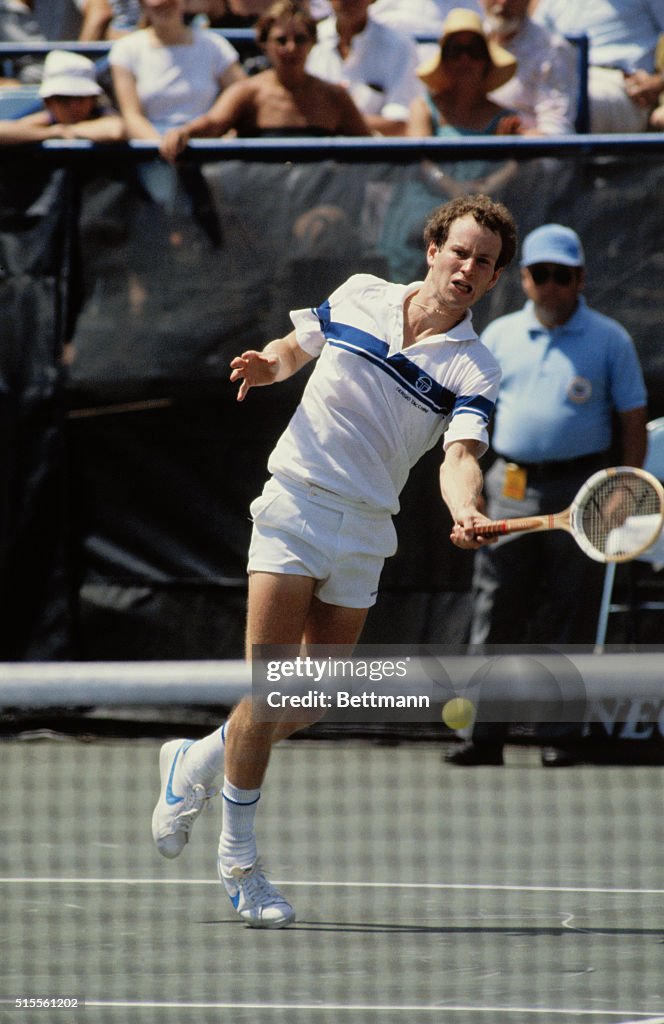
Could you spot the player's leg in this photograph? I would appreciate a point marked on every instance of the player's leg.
(277, 608)
(275, 605)
(277, 611)
(248, 743)
(282, 610)
(333, 624)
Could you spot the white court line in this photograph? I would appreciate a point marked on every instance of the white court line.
(638, 1017)
(635, 1017)
(441, 886)
(648, 1020)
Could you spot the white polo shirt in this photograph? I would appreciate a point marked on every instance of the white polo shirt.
(371, 408)
(545, 89)
(379, 72)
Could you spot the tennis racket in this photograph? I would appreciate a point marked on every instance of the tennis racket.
(615, 516)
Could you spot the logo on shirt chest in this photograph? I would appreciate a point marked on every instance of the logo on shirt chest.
(423, 384)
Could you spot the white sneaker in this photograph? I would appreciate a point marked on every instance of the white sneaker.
(174, 815)
(257, 902)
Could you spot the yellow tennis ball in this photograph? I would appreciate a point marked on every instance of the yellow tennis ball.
(458, 713)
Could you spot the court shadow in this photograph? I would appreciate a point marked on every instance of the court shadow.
(377, 927)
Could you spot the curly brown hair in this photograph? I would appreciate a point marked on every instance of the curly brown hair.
(486, 211)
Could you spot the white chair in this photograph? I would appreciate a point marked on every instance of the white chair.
(654, 463)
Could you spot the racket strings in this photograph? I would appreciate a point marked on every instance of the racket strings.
(621, 515)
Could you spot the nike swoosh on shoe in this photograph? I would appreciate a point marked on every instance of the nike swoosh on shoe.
(171, 797)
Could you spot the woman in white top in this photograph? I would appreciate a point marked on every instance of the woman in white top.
(167, 74)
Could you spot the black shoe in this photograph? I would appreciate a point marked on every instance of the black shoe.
(556, 757)
(475, 753)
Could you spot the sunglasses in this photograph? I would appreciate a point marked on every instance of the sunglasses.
(476, 50)
(541, 274)
(300, 39)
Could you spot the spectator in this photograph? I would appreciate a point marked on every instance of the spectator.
(18, 25)
(567, 372)
(421, 19)
(166, 74)
(283, 100)
(545, 88)
(74, 106)
(222, 13)
(375, 63)
(657, 116)
(109, 19)
(466, 68)
(244, 13)
(59, 19)
(623, 82)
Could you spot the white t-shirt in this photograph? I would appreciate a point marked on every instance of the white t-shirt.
(371, 408)
(174, 83)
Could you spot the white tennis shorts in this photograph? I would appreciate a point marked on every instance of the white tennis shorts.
(308, 531)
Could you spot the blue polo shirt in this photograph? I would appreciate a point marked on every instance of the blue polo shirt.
(560, 387)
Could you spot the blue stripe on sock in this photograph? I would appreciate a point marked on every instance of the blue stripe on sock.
(239, 803)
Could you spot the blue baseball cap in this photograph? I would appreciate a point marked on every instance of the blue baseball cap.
(552, 243)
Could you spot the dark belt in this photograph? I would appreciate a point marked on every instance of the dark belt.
(561, 467)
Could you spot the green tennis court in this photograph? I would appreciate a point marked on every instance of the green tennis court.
(423, 892)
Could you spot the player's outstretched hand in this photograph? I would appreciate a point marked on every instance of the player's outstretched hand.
(254, 370)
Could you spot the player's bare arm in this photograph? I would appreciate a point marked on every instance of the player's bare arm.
(278, 361)
(461, 487)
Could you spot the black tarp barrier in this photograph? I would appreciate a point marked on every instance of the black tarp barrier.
(180, 270)
(37, 232)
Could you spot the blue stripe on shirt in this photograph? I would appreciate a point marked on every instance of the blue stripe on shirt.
(407, 373)
(476, 404)
(438, 399)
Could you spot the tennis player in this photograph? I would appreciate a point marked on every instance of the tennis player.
(399, 366)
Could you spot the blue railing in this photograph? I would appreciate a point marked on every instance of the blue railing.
(362, 150)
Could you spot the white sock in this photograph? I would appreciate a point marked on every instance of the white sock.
(237, 843)
(204, 759)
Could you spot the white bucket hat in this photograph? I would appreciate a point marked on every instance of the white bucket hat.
(68, 74)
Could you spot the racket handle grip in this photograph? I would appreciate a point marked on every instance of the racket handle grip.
(501, 526)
